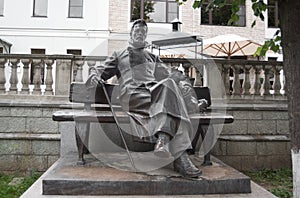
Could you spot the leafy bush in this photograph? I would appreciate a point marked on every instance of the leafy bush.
(14, 191)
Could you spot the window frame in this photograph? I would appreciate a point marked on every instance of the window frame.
(210, 16)
(276, 14)
(34, 14)
(72, 6)
(77, 52)
(166, 9)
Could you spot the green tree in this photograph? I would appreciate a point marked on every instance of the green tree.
(289, 36)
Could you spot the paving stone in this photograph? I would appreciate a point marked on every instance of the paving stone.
(41, 125)
(13, 147)
(275, 115)
(241, 148)
(12, 124)
(237, 127)
(26, 112)
(262, 127)
(45, 147)
(272, 148)
(247, 115)
(5, 111)
(283, 127)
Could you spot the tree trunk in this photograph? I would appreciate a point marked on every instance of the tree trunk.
(290, 32)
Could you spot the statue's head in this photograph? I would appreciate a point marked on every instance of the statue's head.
(138, 33)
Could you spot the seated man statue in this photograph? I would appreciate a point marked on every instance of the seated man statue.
(157, 98)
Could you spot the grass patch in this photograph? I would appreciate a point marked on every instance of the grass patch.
(278, 181)
(8, 190)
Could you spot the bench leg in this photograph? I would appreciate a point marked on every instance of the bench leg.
(204, 131)
(82, 136)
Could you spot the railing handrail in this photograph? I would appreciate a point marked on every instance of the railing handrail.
(52, 56)
(241, 78)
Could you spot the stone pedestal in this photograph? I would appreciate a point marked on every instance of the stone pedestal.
(97, 178)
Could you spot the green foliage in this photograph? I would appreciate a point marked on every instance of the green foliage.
(272, 44)
(279, 181)
(14, 191)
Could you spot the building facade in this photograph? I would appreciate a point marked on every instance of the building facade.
(99, 27)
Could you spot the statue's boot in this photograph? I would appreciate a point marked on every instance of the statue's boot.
(185, 167)
(161, 148)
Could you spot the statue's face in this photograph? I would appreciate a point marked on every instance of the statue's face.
(139, 34)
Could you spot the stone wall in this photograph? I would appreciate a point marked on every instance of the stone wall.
(29, 139)
(258, 138)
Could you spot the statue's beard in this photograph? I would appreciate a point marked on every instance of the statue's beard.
(136, 56)
(138, 44)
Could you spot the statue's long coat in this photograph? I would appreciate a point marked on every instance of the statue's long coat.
(156, 98)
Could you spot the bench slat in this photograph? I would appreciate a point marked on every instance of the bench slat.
(107, 117)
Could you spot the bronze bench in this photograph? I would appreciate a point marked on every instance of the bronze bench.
(96, 109)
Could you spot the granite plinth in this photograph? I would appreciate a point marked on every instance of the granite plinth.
(98, 178)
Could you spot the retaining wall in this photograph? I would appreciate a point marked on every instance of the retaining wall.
(30, 140)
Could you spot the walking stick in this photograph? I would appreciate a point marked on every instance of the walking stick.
(118, 126)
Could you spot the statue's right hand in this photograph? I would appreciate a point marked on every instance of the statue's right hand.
(96, 80)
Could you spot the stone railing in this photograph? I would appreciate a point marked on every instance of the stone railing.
(242, 79)
(52, 75)
(41, 74)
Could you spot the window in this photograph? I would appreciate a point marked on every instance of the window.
(1, 7)
(74, 51)
(40, 8)
(221, 16)
(273, 17)
(1, 50)
(163, 11)
(38, 51)
(75, 8)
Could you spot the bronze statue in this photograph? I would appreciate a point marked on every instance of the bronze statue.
(157, 98)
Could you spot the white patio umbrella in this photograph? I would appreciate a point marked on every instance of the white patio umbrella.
(229, 45)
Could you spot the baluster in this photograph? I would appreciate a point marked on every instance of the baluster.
(276, 85)
(25, 77)
(79, 65)
(2, 75)
(14, 76)
(91, 64)
(36, 63)
(236, 84)
(267, 83)
(225, 74)
(257, 83)
(49, 77)
(246, 83)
